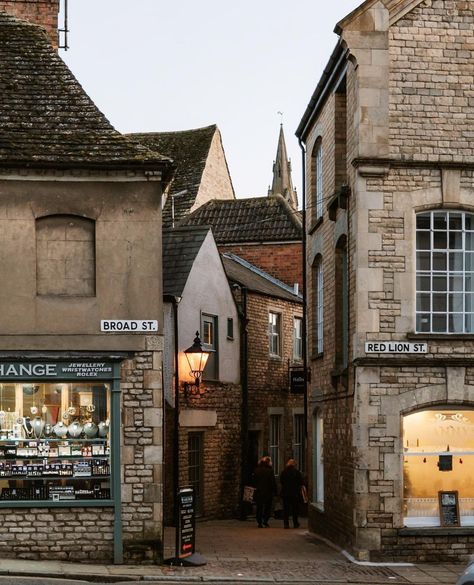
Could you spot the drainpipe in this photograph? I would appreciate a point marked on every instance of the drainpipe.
(244, 413)
(305, 344)
(174, 302)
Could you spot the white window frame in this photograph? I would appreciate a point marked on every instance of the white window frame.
(298, 440)
(274, 334)
(445, 272)
(274, 441)
(297, 338)
(319, 180)
(318, 460)
(319, 307)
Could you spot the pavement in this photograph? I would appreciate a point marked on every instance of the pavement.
(240, 552)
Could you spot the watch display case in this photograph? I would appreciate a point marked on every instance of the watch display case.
(54, 442)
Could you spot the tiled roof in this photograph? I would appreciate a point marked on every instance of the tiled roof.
(257, 219)
(242, 272)
(189, 150)
(180, 248)
(46, 118)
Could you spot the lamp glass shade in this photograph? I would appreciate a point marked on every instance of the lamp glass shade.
(197, 357)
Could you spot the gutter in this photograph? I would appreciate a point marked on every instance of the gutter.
(336, 60)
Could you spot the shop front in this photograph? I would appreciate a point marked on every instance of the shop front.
(60, 460)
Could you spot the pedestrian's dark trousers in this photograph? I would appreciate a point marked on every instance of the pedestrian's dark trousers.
(290, 506)
(264, 509)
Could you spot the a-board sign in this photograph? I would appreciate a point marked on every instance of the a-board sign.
(449, 508)
(187, 522)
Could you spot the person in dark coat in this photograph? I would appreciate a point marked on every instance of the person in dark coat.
(265, 489)
(291, 481)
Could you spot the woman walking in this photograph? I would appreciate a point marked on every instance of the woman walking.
(291, 482)
(265, 489)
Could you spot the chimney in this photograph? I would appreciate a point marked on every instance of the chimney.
(42, 12)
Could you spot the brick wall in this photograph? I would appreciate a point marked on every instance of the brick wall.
(283, 261)
(222, 445)
(42, 12)
(268, 380)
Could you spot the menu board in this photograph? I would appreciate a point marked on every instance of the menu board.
(186, 524)
(449, 508)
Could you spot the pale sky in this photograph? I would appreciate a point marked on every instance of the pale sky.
(154, 66)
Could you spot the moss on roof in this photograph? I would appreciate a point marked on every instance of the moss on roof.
(46, 118)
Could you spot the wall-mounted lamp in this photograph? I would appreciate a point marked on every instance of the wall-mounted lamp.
(197, 360)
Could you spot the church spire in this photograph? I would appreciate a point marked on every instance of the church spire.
(282, 183)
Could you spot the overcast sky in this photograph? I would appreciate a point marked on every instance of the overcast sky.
(153, 66)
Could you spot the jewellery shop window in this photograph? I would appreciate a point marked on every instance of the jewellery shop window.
(438, 457)
(54, 441)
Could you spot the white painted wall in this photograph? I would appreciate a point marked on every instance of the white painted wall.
(207, 291)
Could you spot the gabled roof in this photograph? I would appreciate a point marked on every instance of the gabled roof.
(189, 150)
(47, 120)
(246, 274)
(257, 219)
(180, 248)
(396, 8)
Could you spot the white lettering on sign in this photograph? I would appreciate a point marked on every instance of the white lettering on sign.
(30, 370)
(128, 326)
(395, 347)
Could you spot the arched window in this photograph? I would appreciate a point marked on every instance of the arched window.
(445, 272)
(318, 459)
(317, 180)
(438, 456)
(341, 293)
(65, 256)
(318, 306)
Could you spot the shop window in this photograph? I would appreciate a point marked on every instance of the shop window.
(317, 180)
(65, 256)
(445, 272)
(341, 294)
(54, 441)
(274, 334)
(297, 338)
(274, 442)
(438, 456)
(318, 306)
(210, 344)
(318, 459)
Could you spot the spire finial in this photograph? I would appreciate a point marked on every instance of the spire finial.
(281, 117)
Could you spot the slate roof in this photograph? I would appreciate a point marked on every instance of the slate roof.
(46, 118)
(180, 248)
(189, 150)
(257, 219)
(242, 272)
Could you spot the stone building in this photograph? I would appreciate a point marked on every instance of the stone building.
(81, 432)
(197, 297)
(389, 220)
(266, 231)
(273, 416)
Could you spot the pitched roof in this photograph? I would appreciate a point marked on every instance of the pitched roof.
(242, 272)
(189, 150)
(47, 119)
(180, 248)
(257, 219)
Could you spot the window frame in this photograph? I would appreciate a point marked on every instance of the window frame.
(318, 179)
(444, 265)
(274, 334)
(275, 427)
(297, 340)
(212, 348)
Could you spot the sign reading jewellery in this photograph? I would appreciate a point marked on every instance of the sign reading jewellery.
(62, 370)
